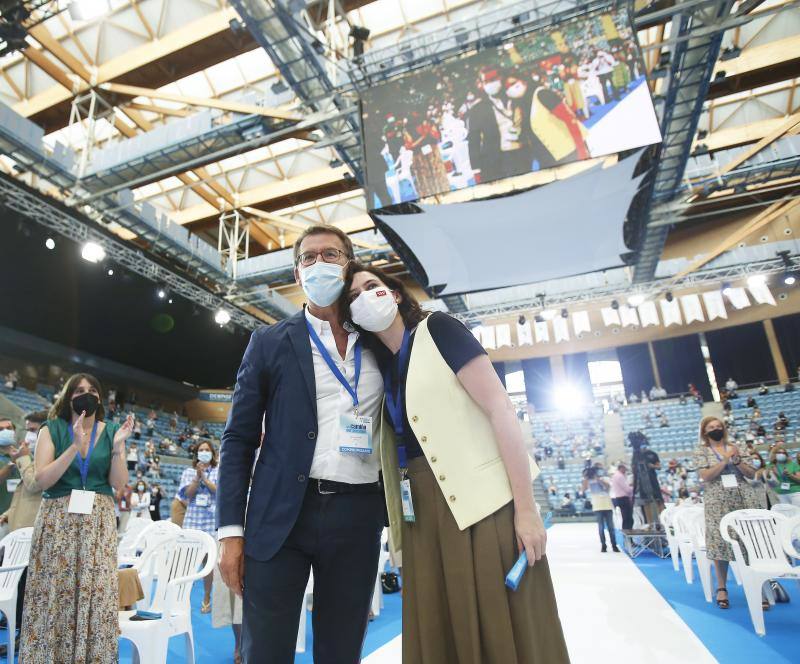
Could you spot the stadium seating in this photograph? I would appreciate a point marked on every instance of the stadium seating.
(28, 401)
(680, 435)
(770, 405)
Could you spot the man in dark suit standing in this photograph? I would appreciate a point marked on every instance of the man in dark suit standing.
(314, 499)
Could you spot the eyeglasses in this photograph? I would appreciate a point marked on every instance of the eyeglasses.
(330, 255)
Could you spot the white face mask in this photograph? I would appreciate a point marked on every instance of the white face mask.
(205, 456)
(516, 91)
(492, 88)
(374, 310)
(756, 463)
(780, 458)
(30, 438)
(7, 437)
(322, 282)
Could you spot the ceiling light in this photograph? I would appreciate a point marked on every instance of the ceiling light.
(170, 300)
(614, 304)
(110, 272)
(789, 279)
(669, 297)
(162, 293)
(564, 313)
(636, 300)
(50, 243)
(87, 10)
(222, 317)
(93, 252)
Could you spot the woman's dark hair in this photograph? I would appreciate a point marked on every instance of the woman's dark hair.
(408, 306)
(195, 460)
(63, 405)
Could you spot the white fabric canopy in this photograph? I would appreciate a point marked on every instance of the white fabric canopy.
(671, 312)
(648, 314)
(568, 227)
(692, 310)
(560, 329)
(715, 305)
(580, 322)
(628, 316)
(524, 334)
(503, 333)
(541, 331)
(610, 316)
(761, 293)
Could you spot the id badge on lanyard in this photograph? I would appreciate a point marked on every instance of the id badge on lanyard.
(355, 431)
(81, 501)
(394, 404)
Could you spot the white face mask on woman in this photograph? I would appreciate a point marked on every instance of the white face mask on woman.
(374, 310)
(204, 456)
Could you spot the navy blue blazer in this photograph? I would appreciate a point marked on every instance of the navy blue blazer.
(276, 377)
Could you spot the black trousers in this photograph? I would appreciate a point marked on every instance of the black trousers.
(338, 536)
(626, 507)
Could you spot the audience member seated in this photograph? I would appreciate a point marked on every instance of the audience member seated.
(781, 422)
(762, 390)
(567, 505)
(663, 422)
(731, 386)
(633, 398)
(751, 402)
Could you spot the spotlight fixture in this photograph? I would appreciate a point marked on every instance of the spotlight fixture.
(669, 296)
(278, 87)
(636, 300)
(93, 252)
(222, 317)
(110, 272)
(614, 305)
(161, 293)
(789, 279)
(521, 320)
(726, 288)
(789, 275)
(564, 313)
(50, 243)
(538, 318)
(360, 35)
(169, 301)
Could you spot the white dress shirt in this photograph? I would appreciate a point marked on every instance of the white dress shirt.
(333, 401)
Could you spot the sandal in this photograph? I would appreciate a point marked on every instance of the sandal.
(723, 603)
(765, 605)
(205, 607)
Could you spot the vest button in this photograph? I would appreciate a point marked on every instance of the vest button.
(312, 435)
(433, 459)
(452, 499)
(442, 478)
(414, 418)
(301, 478)
(424, 439)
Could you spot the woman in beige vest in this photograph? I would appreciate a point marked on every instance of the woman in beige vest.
(452, 440)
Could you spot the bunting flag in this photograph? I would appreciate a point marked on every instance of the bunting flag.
(738, 297)
(541, 331)
(487, 336)
(503, 335)
(580, 322)
(628, 316)
(715, 305)
(671, 312)
(524, 334)
(560, 329)
(692, 309)
(610, 316)
(648, 314)
(761, 293)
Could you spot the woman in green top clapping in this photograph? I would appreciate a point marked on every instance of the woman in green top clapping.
(785, 475)
(72, 597)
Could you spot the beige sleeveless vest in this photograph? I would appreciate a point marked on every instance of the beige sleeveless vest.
(456, 438)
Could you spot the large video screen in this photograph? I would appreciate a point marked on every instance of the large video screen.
(573, 91)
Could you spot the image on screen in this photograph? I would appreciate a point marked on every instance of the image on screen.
(575, 90)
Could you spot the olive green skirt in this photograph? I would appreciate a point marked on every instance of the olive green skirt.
(456, 608)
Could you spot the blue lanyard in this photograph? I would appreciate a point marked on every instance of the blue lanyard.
(719, 458)
(83, 464)
(394, 402)
(353, 390)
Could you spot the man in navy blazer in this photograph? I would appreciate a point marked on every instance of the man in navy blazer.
(305, 502)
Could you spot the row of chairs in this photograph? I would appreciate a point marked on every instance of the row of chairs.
(763, 545)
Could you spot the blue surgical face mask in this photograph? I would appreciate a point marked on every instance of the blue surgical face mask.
(780, 458)
(7, 437)
(322, 282)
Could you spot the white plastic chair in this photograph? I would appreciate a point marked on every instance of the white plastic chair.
(300, 646)
(146, 566)
(667, 517)
(16, 554)
(377, 593)
(125, 548)
(759, 531)
(179, 567)
(788, 510)
(681, 523)
(789, 528)
(697, 531)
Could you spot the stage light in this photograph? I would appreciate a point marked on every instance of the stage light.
(162, 293)
(521, 320)
(726, 289)
(170, 300)
(87, 10)
(278, 87)
(110, 272)
(756, 280)
(636, 300)
(568, 397)
(538, 318)
(614, 305)
(789, 279)
(222, 317)
(93, 252)
(669, 297)
(50, 243)
(564, 313)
